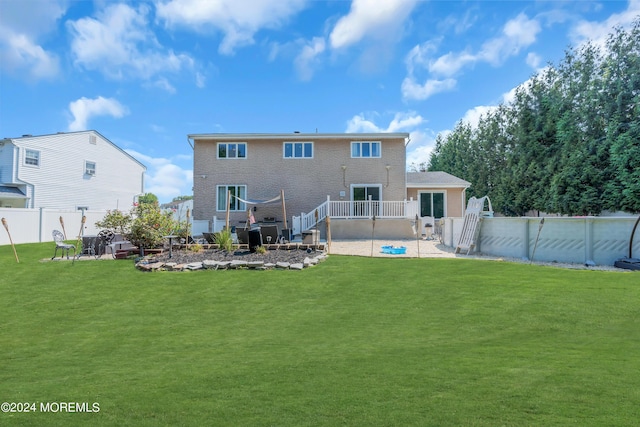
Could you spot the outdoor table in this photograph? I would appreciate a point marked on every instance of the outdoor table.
(171, 237)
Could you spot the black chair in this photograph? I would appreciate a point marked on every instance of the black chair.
(243, 235)
(210, 238)
(269, 233)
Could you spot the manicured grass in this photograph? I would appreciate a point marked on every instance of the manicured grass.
(353, 341)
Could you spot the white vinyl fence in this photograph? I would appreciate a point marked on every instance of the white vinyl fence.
(583, 240)
(36, 225)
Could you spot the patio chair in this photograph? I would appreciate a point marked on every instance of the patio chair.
(209, 238)
(243, 235)
(58, 237)
(269, 233)
(105, 238)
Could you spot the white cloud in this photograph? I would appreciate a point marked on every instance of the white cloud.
(420, 147)
(163, 83)
(413, 90)
(21, 56)
(165, 177)
(534, 60)
(84, 109)
(201, 80)
(119, 44)
(597, 32)
(239, 21)
(308, 58)
(370, 18)
(517, 34)
(22, 24)
(401, 122)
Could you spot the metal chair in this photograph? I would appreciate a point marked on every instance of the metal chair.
(105, 238)
(58, 237)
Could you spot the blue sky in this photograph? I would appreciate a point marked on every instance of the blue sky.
(147, 73)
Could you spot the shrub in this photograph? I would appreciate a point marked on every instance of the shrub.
(116, 221)
(224, 239)
(196, 247)
(144, 226)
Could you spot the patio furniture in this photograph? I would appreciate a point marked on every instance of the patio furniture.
(243, 235)
(105, 238)
(209, 237)
(58, 237)
(89, 246)
(269, 233)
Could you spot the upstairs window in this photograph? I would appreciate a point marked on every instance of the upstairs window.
(365, 149)
(298, 150)
(232, 150)
(90, 168)
(32, 157)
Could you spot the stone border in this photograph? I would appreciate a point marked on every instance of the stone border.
(151, 265)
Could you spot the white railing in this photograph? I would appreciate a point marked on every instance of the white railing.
(340, 209)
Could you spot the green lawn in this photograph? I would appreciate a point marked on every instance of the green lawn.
(353, 341)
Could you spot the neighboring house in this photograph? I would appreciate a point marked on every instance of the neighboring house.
(179, 208)
(345, 176)
(77, 170)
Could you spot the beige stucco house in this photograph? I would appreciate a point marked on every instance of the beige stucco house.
(348, 177)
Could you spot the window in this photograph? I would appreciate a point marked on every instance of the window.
(236, 191)
(32, 158)
(90, 168)
(298, 150)
(432, 204)
(365, 149)
(232, 150)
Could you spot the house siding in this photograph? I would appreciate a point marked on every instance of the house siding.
(60, 182)
(306, 182)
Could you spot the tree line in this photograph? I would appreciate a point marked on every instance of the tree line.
(568, 143)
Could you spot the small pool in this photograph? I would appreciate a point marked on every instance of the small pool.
(397, 250)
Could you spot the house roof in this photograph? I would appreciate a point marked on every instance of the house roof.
(296, 135)
(17, 139)
(11, 192)
(435, 180)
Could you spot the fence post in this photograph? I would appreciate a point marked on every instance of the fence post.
(588, 241)
(525, 238)
(41, 225)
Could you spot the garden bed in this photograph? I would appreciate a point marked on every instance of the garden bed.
(294, 257)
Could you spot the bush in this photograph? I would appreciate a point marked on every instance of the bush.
(145, 226)
(116, 221)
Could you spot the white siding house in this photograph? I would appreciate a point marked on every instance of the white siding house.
(68, 170)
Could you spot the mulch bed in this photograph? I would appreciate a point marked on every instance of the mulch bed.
(292, 256)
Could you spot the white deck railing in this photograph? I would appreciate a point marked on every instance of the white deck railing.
(340, 209)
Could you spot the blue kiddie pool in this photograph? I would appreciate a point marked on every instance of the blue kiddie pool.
(397, 250)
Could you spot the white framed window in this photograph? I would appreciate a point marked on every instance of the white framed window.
(297, 150)
(365, 149)
(89, 168)
(32, 157)
(236, 191)
(232, 150)
(433, 203)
